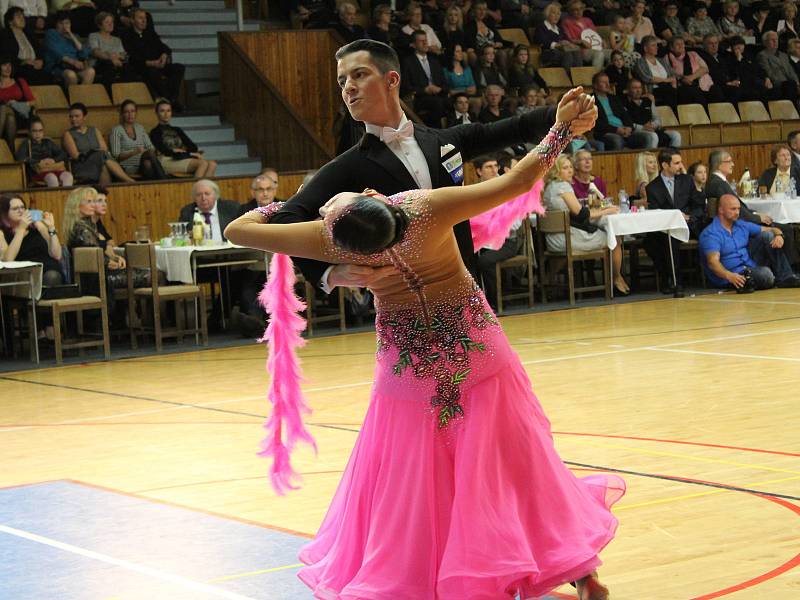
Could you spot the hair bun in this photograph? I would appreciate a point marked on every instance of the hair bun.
(400, 224)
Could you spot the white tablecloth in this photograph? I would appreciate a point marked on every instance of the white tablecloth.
(781, 210)
(668, 221)
(177, 262)
(16, 271)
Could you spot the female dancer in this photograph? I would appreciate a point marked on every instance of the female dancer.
(454, 490)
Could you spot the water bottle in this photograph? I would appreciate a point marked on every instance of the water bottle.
(746, 183)
(792, 188)
(624, 205)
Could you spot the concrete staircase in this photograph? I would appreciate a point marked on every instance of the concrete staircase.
(190, 28)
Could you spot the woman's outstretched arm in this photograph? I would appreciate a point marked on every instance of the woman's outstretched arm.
(452, 205)
(303, 240)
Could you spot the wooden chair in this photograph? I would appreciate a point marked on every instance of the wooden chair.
(557, 79)
(785, 112)
(762, 128)
(524, 259)
(94, 94)
(49, 96)
(702, 131)
(136, 91)
(55, 120)
(558, 222)
(583, 75)
(85, 260)
(143, 256)
(670, 121)
(12, 173)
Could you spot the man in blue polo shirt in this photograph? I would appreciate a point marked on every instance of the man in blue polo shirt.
(730, 246)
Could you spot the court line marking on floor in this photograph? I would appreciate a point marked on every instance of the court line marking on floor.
(735, 301)
(727, 354)
(252, 573)
(130, 566)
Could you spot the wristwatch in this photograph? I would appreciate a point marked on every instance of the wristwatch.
(52, 232)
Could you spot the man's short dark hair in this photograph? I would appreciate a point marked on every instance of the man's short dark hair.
(597, 76)
(79, 106)
(459, 95)
(383, 56)
(483, 159)
(665, 156)
(62, 15)
(418, 33)
(162, 101)
(792, 135)
(635, 79)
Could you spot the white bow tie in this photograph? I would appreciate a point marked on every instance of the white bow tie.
(389, 135)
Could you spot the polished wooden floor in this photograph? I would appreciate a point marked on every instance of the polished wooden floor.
(695, 401)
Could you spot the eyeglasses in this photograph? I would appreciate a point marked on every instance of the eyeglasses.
(18, 207)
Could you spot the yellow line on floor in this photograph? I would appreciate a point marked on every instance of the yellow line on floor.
(251, 573)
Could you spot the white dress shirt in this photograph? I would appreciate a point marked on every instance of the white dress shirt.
(216, 230)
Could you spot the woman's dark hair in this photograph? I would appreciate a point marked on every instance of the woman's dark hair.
(10, 14)
(7, 60)
(126, 102)
(34, 119)
(101, 189)
(693, 167)
(62, 15)
(5, 208)
(449, 56)
(79, 106)
(369, 226)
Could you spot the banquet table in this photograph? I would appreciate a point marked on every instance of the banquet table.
(779, 208)
(23, 279)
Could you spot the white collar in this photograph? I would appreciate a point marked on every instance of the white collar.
(551, 27)
(377, 130)
(720, 175)
(421, 56)
(213, 210)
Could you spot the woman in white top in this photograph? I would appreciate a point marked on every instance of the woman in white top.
(656, 73)
(585, 235)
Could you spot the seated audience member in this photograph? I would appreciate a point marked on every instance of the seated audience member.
(460, 114)
(15, 44)
(517, 14)
(694, 83)
(748, 81)
(458, 73)
(700, 24)
(486, 71)
(793, 140)
(730, 23)
(638, 23)
(644, 117)
(793, 50)
(16, 101)
(110, 60)
(618, 74)
(216, 212)
(424, 76)
(381, 29)
(614, 125)
(123, 13)
(622, 41)
(585, 236)
(452, 32)
(24, 239)
(406, 42)
(176, 151)
(760, 19)
(557, 50)
(780, 75)
(670, 25)
(583, 180)
(346, 26)
(35, 13)
(481, 31)
(151, 59)
(522, 74)
(656, 72)
(531, 98)
(740, 254)
(699, 174)
(575, 26)
(719, 67)
(672, 189)
(65, 57)
(44, 159)
(131, 146)
(720, 165)
(273, 175)
(87, 151)
(81, 14)
(494, 109)
(262, 193)
(106, 241)
(645, 171)
(783, 176)
(787, 25)
(314, 14)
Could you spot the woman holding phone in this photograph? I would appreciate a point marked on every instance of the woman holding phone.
(30, 235)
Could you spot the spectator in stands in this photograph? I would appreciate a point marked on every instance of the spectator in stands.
(262, 193)
(44, 160)
(178, 154)
(760, 19)
(669, 25)
(346, 26)
(131, 147)
(123, 13)
(642, 111)
(700, 24)
(458, 73)
(581, 31)
(81, 14)
(780, 75)
(657, 74)
(793, 50)
(584, 181)
(623, 42)
(108, 243)
(16, 101)
(522, 73)
(517, 14)
(730, 23)
(423, 75)
(432, 14)
(645, 171)
(381, 28)
(639, 24)
(694, 83)
(65, 57)
(215, 211)
(314, 14)
(746, 81)
(453, 30)
(585, 235)
(413, 15)
(719, 66)
(487, 72)
(15, 43)
(151, 59)
(618, 74)
(35, 13)
(557, 50)
(787, 26)
(493, 110)
(614, 125)
(110, 61)
(735, 250)
(24, 239)
(699, 174)
(531, 98)
(782, 176)
(460, 115)
(273, 175)
(793, 139)
(481, 32)
(87, 150)
(672, 189)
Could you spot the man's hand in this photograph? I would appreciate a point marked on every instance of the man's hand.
(767, 83)
(358, 275)
(736, 280)
(686, 217)
(777, 242)
(765, 219)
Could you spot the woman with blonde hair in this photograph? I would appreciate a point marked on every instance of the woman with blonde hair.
(585, 233)
(646, 170)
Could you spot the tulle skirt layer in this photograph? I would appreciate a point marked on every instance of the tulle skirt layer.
(482, 510)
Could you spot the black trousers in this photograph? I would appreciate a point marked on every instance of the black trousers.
(487, 259)
(166, 82)
(655, 245)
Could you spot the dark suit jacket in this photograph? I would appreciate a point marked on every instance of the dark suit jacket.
(602, 126)
(768, 177)
(370, 164)
(715, 188)
(227, 210)
(414, 78)
(686, 198)
(452, 121)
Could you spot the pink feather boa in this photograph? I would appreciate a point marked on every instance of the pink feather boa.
(285, 426)
(490, 229)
